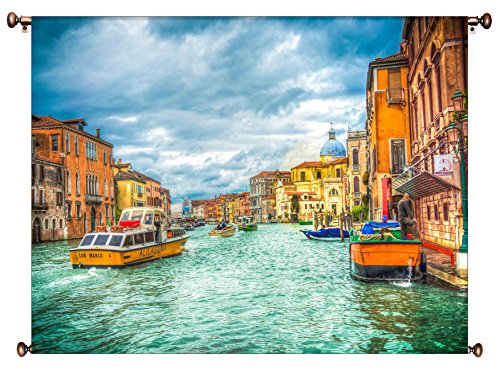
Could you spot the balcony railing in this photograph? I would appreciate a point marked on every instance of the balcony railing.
(93, 198)
(39, 206)
(395, 96)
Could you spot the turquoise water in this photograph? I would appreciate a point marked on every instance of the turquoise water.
(269, 291)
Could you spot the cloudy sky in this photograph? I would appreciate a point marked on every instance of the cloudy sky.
(202, 104)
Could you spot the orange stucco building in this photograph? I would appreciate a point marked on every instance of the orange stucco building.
(88, 175)
(388, 130)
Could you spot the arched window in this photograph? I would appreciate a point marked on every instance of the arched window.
(356, 184)
(104, 155)
(68, 184)
(67, 142)
(76, 145)
(77, 183)
(334, 192)
(355, 157)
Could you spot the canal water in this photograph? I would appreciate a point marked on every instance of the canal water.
(269, 291)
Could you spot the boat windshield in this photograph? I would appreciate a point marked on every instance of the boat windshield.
(148, 220)
(87, 240)
(137, 215)
(101, 239)
(125, 216)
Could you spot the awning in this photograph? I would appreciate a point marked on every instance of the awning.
(424, 184)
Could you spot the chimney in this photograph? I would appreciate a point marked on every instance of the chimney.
(119, 161)
(98, 132)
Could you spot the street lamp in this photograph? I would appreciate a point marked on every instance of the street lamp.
(457, 134)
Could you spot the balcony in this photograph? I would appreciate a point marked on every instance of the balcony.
(93, 198)
(395, 96)
(39, 207)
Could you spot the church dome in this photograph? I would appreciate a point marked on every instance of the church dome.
(333, 148)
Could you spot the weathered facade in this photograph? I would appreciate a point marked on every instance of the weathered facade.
(166, 201)
(261, 185)
(357, 167)
(48, 218)
(88, 174)
(437, 54)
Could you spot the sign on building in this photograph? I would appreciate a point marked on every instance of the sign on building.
(443, 164)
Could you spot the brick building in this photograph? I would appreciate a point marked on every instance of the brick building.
(88, 175)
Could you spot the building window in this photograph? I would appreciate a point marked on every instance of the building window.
(429, 213)
(68, 210)
(78, 209)
(445, 212)
(68, 183)
(42, 173)
(424, 113)
(337, 172)
(356, 184)
(60, 223)
(53, 223)
(431, 102)
(318, 174)
(67, 142)
(77, 184)
(355, 157)
(55, 143)
(374, 159)
(106, 189)
(397, 156)
(76, 145)
(438, 86)
(46, 223)
(302, 176)
(59, 175)
(104, 155)
(107, 214)
(59, 198)
(436, 212)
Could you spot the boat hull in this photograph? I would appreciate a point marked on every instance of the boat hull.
(224, 232)
(305, 222)
(248, 228)
(386, 261)
(104, 257)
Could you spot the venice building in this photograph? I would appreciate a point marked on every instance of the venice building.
(319, 186)
(262, 185)
(437, 62)
(87, 174)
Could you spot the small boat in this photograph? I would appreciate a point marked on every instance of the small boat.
(189, 227)
(382, 255)
(329, 234)
(245, 223)
(142, 235)
(305, 222)
(229, 230)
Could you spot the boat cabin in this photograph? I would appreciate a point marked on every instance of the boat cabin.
(145, 218)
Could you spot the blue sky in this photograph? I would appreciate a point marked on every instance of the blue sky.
(202, 104)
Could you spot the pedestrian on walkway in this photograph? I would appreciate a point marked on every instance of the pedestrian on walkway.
(405, 217)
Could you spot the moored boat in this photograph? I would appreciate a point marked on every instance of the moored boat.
(329, 234)
(305, 222)
(229, 230)
(142, 235)
(385, 256)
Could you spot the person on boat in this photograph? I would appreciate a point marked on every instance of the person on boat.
(219, 226)
(223, 224)
(405, 217)
(157, 228)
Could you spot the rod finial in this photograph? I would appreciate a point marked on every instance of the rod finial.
(477, 350)
(22, 349)
(12, 19)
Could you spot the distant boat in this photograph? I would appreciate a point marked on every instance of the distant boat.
(229, 230)
(305, 222)
(330, 234)
(245, 223)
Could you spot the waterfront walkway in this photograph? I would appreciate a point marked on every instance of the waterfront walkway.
(440, 268)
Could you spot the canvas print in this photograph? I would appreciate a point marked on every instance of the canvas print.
(249, 185)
